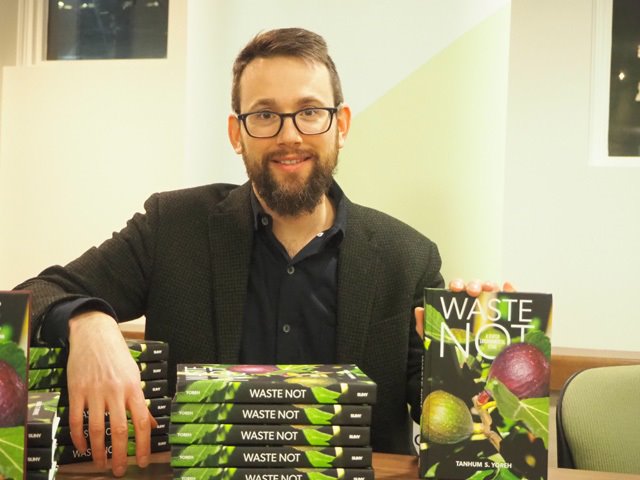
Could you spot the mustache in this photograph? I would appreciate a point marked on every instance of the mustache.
(281, 152)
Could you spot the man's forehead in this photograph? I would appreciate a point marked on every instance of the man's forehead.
(281, 79)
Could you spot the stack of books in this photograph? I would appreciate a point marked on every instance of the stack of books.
(243, 422)
(42, 424)
(47, 373)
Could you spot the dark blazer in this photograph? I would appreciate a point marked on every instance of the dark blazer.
(184, 265)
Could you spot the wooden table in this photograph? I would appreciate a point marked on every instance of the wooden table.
(386, 466)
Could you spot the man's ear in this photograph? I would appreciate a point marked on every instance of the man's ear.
(233, 129)
(343, 118)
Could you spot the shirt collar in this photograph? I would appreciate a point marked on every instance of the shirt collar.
(336, 196)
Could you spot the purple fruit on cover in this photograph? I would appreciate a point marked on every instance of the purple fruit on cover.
(523, 369)
(13, 396)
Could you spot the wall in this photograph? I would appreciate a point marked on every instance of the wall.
(83, 144)
(8, 38)
(570, 228)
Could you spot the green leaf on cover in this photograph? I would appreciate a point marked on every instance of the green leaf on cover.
(324, 395)
(532, 412)
(316, 437)
(319, 459)
(538, 339)
(12, 452)
(317, 416)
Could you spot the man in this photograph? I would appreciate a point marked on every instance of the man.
(283, 269)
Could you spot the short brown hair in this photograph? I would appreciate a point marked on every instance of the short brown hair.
(286, 42)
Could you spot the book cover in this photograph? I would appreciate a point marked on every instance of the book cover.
(158, 407)
(232, 473)
(232, 434)
(63, 434)
(267, 456)
(486, 373)
(300, 413)
(66, 454)
(14, 341)
(42, 418)
(141, 351)
(216, 383)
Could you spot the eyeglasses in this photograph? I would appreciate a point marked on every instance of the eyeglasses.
(308, 121)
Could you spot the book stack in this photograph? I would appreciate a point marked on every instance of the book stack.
(47, 373)
(42, 424)
(242, 422)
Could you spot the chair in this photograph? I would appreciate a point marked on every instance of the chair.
(598, 420)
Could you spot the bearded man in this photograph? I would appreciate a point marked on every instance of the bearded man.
(283, 269)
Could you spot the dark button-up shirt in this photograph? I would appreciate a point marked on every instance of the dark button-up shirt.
(291, 307)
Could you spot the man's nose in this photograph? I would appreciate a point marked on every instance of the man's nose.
(289, 132)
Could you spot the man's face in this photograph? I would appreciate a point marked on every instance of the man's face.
(291, 171)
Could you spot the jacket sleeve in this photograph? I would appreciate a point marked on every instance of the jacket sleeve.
(431, 278)
(114, 275)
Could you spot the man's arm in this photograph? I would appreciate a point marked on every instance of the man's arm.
(101, 374)
(432, 278)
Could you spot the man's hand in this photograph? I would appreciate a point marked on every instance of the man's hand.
(473, 288)
(103, 377)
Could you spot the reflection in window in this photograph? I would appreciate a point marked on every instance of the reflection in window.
(624, 99)
(100, 29)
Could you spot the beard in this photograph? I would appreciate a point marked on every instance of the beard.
(295, 195)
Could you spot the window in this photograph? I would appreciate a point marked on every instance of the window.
(624, 94)
(105, 29)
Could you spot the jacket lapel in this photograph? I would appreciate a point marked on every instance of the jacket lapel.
(358, 270)
(231, 237)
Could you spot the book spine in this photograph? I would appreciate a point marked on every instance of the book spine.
(47, 357)
(267, 456)
(229, 434)
(261, 391)
(148, 350)
(150, 389)
(40, 434)
(158, 407)
(273, 474)
(140, 350)
(48, 474)
(153, 370)
(40, 458)
(40, 378)
(66, 454)
(63, 434)
(303, 414)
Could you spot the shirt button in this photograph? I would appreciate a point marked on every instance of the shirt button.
(291, 269)
(286, 328)
(264, 221)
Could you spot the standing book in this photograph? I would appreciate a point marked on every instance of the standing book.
(14, 341)
(486, 372)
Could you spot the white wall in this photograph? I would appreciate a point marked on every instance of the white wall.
(570, 228)
(83, 144)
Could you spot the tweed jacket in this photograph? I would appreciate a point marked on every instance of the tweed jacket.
(184, 265)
